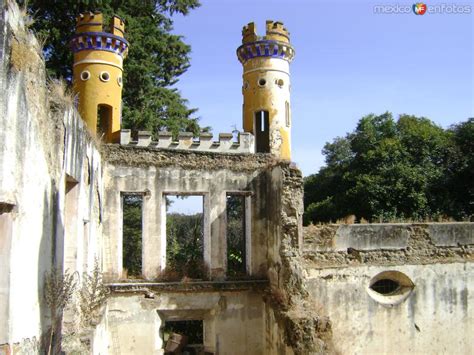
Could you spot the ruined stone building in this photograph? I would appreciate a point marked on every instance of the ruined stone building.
(347, 289)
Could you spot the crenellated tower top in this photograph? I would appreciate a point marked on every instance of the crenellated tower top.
(277, 32)
(275, 43)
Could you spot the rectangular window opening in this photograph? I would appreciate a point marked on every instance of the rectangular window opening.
(132, 205)
(287, 114)
(236, 235)
(183, 336)
(262, 132)
(184, 238)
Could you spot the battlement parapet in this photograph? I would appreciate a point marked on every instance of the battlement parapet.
(249, 33)
(89, 22)
(276, 31)
(275, 43)
(94, 22)
(186, 141)
(90, 34)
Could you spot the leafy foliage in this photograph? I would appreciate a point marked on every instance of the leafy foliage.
(387, 169)
(156, 57)
(132, 234)
(235, 235)
(185, 244)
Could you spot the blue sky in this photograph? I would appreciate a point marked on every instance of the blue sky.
(349, 62)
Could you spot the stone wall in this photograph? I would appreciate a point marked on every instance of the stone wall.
(60, 207)
(430, 312)
(388, 244)
(154, 174)
(300, 326)
(47, 187)
(135, 317)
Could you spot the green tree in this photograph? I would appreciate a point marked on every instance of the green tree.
(235, 236)
(132, 234)
(156, 57)
(185, 244)
(458, 181)
(387, 169)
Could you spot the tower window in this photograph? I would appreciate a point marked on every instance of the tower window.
(104, 76)
(262, 132)
(262, 82)
(280, 82)
(104, 120)
(119, 81)
(287, 114)
(85, 75)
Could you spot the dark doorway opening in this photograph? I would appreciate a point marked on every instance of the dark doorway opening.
(184, 337)
(104, 120)
(262, 132)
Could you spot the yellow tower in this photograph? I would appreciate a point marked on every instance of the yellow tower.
(266, 87)
(97, 73)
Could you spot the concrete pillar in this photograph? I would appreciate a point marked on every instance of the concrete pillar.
(218, 234)
(151, 241)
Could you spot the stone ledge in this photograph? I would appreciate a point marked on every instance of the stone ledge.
(126, 155)
(451, 234)
(381, 236)
(193, 286)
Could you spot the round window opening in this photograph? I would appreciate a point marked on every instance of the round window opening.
(104, 76)
(119, 81)
(85, 75)
(280, 82)
(390, 288)
(262, 82)
(385, 286)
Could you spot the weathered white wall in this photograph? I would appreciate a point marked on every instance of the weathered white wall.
(233, 322)
(155, 181)
(26, 180)
(40, 149)
(436, 318)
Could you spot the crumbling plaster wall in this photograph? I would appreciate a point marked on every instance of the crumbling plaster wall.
(437, 317)
(157, 173)
(233, 321)
(276, 190)
(43, 143)
(294, 324)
